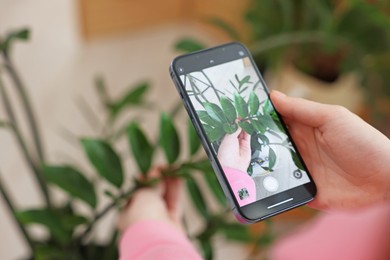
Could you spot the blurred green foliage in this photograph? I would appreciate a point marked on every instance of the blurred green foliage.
(69, 231)
(324, 38)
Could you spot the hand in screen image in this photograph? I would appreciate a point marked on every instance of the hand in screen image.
(234, 154)
(235, 150)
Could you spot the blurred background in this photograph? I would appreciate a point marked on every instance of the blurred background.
(329, 51)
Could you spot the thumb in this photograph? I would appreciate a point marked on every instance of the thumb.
(300, 110)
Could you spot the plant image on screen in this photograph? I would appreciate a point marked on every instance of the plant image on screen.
(232, 104)
(258, 119)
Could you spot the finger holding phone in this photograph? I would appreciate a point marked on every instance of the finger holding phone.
(348, 158)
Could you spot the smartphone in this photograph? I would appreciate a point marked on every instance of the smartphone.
(252, 153)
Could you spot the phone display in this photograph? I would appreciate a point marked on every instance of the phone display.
(248, 144)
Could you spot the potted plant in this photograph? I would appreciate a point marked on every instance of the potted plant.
(331, 48)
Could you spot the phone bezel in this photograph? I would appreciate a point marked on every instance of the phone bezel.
(260, 209)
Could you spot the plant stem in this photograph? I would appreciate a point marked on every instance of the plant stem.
(289, 38)
(196, 90)
(12, 210)
(22, 144)
(88, 113)
(104, 211)
(26, 106)
(211, 84)
(123, 195)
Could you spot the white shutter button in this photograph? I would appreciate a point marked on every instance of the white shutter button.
(270, 184)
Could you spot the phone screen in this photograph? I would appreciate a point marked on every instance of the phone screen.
(245, 132)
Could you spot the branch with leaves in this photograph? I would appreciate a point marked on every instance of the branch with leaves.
(258, 119)
(69, 230)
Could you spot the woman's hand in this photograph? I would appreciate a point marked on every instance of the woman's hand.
(348, 159)
(162, 203)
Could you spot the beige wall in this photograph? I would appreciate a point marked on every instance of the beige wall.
(58, 68)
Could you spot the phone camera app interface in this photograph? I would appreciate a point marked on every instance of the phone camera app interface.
(252, 147)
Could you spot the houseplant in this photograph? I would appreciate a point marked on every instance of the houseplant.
(324, 39)
(70, 230)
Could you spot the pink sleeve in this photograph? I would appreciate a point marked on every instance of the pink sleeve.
(155, 240)
(357, 235)
(243, 186)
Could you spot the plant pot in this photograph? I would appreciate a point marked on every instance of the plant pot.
(344, 91)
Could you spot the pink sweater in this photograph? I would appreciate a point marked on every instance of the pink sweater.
(358, 235)
(155, 240)
(361, 235)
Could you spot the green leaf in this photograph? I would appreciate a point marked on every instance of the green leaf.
(196, 196)
(46, 218)
(204, 166)
(237, 79)
(205, 118)
(370, 27)
(189, 45)
(169, 139)
(141, 147)
(215, 187)
(296, 160)
(259, 126)
(228, 109)
(22, 34)
(207, 249)
(237, 232)
(247, 127)
(48, 251)
(214, 134)
(253, 103)
(264, 139)
(268, 121)
(72, 182)
(267, 107)
(230, 128)
(105, 160)
(70, 222)
(250, 170)
(255, 144)
(101, 90)
(241, 106)
(271, 158)
(244, 80)
(277, 121)
(193, 138)
(134, 96)
(60, 226)
(215, 112)
(225, 27)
